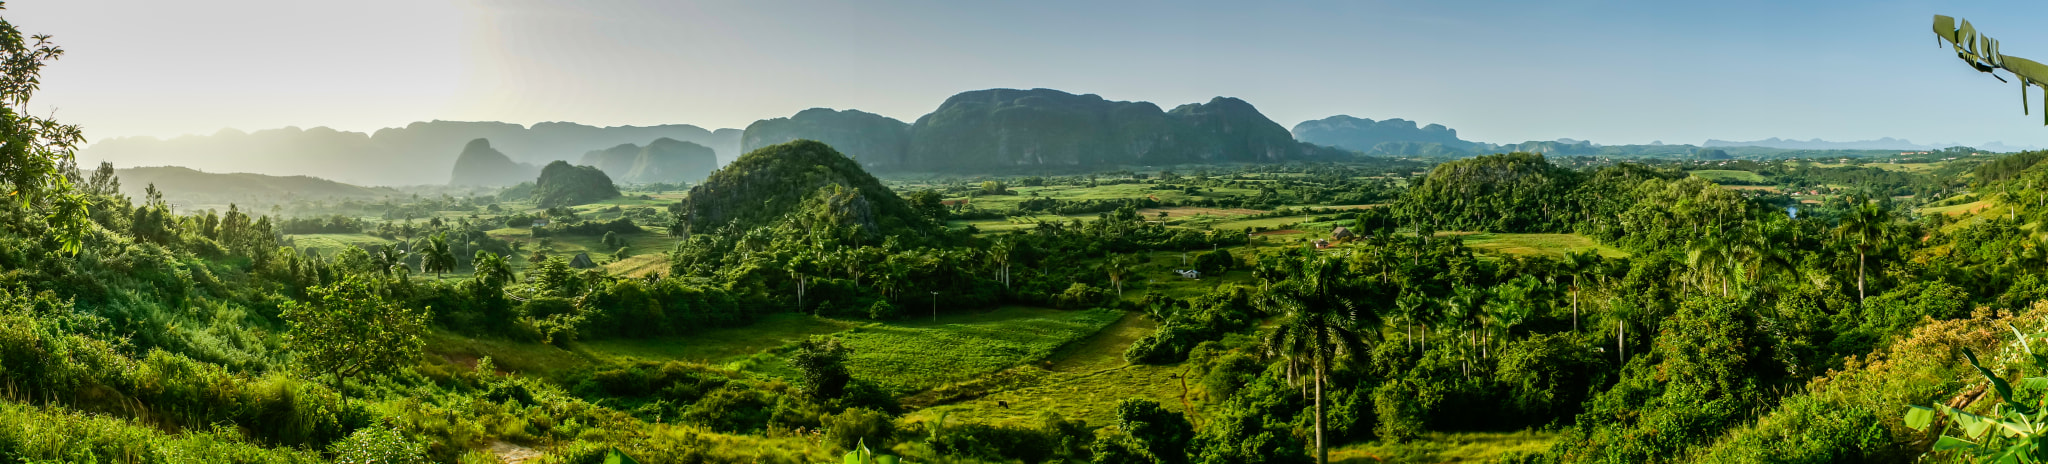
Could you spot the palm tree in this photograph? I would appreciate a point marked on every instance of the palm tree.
(491, 269)
(1000, 252)
(389, 257)
(437, 258)
(1865, 226)
(1709, 257)
(1118, 267)
(1762, 249)
(1321, 323)
(1461, 310)
(1574, 266)
(1509, 307)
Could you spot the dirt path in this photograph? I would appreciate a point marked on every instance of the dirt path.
(513, 454)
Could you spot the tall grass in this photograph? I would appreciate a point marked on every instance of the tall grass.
(33, 434)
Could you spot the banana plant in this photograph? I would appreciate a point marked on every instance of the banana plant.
(2012, 432)
(861, 455)
(618, 457)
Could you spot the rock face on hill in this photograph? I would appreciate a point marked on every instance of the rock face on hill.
(1390, 137)
(876, 141)
(561, 184)
(806, 176)
(664, 160)
(479, 164)
(1042, 127)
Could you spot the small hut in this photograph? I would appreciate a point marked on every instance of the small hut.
(582, 261)
(1341, 233)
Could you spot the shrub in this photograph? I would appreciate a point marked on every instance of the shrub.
(378, 445)
(857, 425)
(882, 310)
(1081, 295)
(823, 364)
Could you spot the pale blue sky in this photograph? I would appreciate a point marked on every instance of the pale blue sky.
(1609, 71)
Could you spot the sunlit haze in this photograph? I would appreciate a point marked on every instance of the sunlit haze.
(1611, 72)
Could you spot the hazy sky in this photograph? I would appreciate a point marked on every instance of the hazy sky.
(1609, 71)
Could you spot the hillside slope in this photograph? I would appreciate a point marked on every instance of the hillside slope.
(766, 184)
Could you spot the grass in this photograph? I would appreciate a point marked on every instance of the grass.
(1266, 223)
(717, 346)
(1449, 447)
(914, 356)
(546, 361)
(1084, 381)
(1959, 209)
(1156, 274)
(329, 244)
(1724, 175)
(1551, 245)
(1100, 192)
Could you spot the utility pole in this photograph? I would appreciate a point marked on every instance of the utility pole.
(935, 306)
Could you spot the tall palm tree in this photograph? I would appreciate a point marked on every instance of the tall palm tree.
(1510, 306)
(1321, 322)
(1865, 227)
(1461, 310)
(1709, 257)
(1000, 253)
(1118, 267)
(1574, 266)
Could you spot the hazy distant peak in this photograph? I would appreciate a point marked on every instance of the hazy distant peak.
(1885, 143)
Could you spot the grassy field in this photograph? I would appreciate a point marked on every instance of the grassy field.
(1551, 245)
(1083, 382)
(1440, 447)
(1100, 192)
(1724, 175)
(1960, 209)
(916, 354)
(1156, 274)
(329, 244)
(717, 346)
(526, 358)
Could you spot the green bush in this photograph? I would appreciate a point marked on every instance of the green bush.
(378, 445)
(857, 425)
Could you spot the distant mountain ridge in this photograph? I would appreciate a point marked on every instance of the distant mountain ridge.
(1886, 143)
(664, 160)
(999, 128)
(480, 165)
(1401, 136)
(872, 139)
(417, 154)
(1006, 129)
(186, 186)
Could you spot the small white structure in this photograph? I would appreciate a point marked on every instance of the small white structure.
(1188, 273)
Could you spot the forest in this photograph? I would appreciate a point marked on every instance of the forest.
(794, 308)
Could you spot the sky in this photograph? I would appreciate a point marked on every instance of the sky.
(1614, 72)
